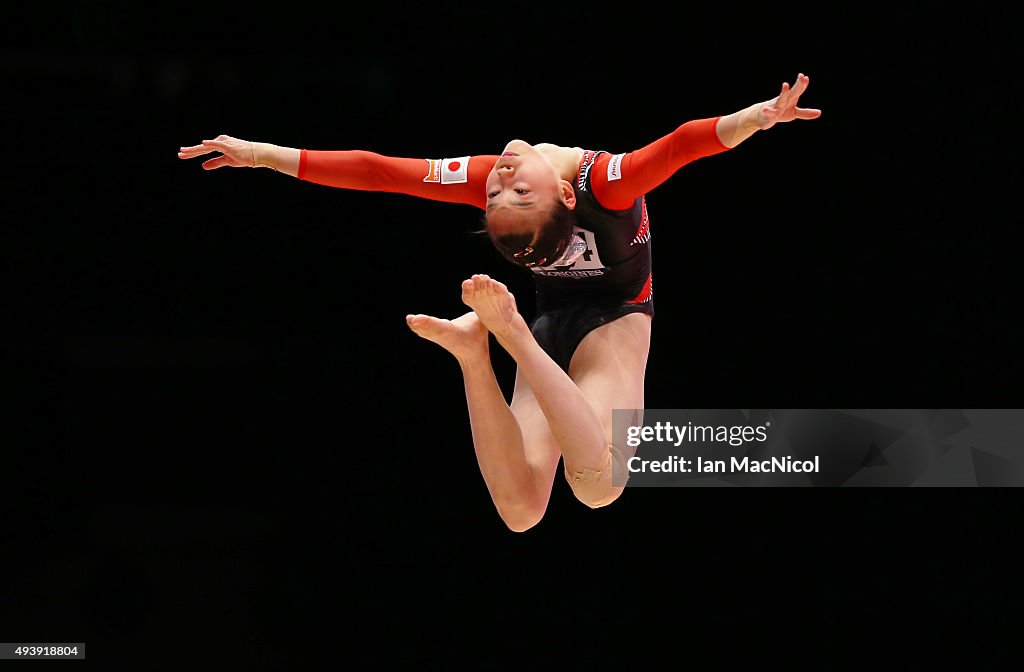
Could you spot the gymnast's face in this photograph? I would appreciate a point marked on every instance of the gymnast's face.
(521, 188)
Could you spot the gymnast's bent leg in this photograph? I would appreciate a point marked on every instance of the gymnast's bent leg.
(609, 366)
(517, 454)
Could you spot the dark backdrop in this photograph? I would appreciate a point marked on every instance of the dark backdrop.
(226, 444)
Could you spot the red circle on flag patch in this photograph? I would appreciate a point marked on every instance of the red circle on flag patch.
(454, 165)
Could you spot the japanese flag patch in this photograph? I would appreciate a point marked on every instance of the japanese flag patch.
(455, 171)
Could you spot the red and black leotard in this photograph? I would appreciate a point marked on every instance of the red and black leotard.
(611, 279)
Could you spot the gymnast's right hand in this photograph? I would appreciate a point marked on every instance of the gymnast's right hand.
(235, 153)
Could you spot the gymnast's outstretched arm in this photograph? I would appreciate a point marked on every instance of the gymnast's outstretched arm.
(620, 179)
(452, 180)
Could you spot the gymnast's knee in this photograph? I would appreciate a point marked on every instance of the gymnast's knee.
(594, 487)
(520, 516)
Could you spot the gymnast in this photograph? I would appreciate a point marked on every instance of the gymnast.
(577, 219)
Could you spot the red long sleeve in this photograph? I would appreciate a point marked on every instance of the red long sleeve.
(453, 180)
(620, 179)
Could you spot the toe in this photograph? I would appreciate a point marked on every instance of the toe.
(468, 290)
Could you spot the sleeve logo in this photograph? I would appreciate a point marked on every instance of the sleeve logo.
(455, 171)
(615, 168)
(433, 170)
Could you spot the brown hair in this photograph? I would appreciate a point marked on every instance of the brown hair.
(538, 247)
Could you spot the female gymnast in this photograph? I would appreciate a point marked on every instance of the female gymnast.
(578, 220)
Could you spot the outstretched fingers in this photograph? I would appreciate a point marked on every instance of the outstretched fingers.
(802, 81)
(218, 144)
(784, 107)
(194, 151)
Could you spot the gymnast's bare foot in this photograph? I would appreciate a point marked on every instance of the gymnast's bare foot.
(465, 336)
(496, 308)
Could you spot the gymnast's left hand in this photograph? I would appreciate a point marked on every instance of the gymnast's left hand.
(783, 107)
(235, 153)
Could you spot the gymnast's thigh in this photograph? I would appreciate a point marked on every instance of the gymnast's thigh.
(539, 444)
(609, 367)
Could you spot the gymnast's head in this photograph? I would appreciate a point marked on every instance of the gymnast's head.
(529, 207)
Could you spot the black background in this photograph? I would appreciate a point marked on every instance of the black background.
(226, 445)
